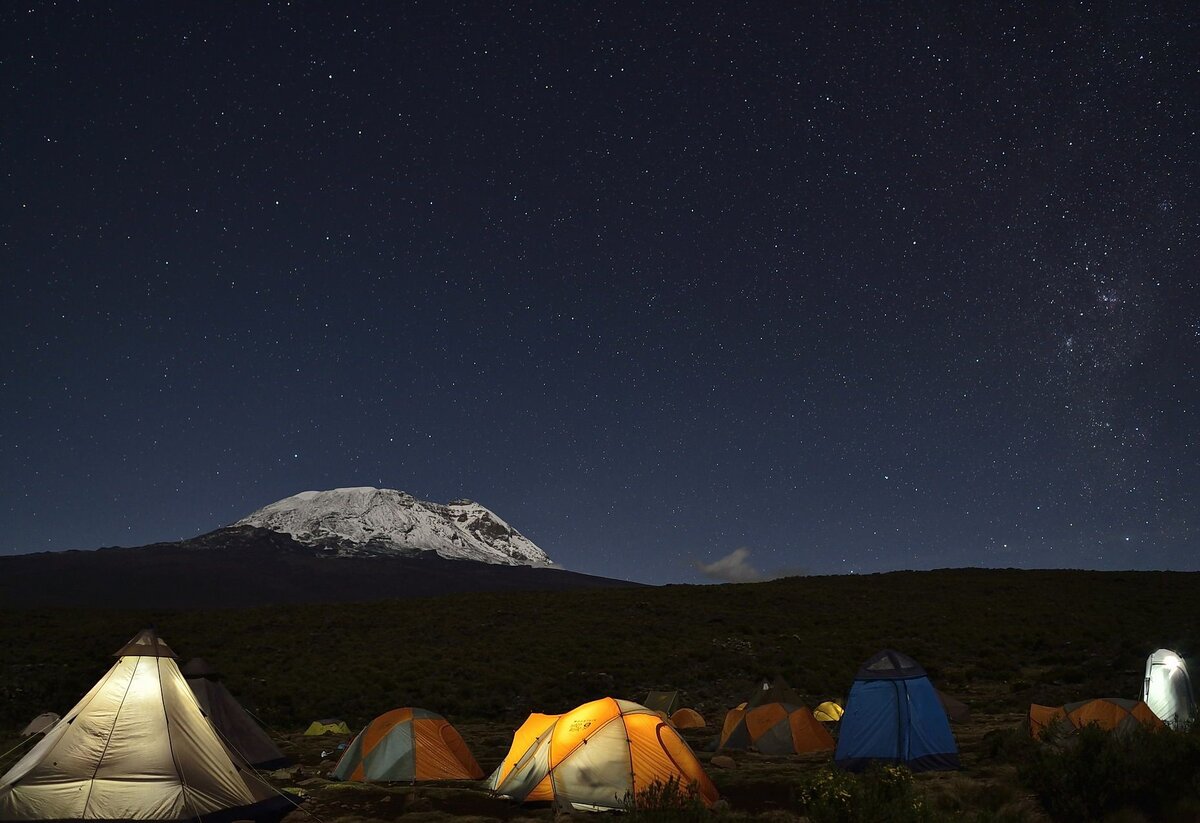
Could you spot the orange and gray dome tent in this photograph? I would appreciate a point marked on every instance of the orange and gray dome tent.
(136, 747)
(408, 745)
(775, 728)
(1108, 713)
(688, 719)
(237, 729)
(602, 755)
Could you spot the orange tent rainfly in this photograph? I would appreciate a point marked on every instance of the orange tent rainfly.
(775, 728)
(1109, 713)
(408, 745)
(687, 719)
(602, 755)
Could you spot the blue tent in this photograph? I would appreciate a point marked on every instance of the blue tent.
(893, 715)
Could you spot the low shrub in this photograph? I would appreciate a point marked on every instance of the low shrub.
(1093, 773)
(881, 793)
(666, 802)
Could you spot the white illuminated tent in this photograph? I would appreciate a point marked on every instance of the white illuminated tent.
(1167, 689)
(136, 747)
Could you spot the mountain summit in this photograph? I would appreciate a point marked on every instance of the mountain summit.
(366, 521)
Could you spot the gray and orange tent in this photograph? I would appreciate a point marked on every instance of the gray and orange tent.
(775, 728)
(408, 745)
(605, 754)
(1108, 713)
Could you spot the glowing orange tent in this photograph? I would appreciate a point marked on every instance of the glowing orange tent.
(775, 728)
(1109, 713)
(687, 719)
(523, 740)
(602, 755)
(408, 744)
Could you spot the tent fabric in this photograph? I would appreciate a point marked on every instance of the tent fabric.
(775, 728)
(40, 724)
(234, 724)
(1167, 688)
(524, 739)
(666, 702)
(601, 755)
(327, 726)
(1113, 714)
(688, 719)
(776, 691)
(408, 745)
(1041, 718)
(828, 712)
(956, 710)
(893, 715)
(136, 747)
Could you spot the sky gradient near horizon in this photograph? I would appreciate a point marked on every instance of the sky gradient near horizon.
(818, 290)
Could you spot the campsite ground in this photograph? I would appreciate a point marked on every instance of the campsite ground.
(996, 639)
(756, 787)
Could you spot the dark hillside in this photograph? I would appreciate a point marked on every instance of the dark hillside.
(242, 567)
(998, 639)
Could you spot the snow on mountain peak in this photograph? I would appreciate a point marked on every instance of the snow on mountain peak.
(369, 520)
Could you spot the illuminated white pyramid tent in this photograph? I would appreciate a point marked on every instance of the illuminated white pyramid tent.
(1167, 690)
(136, 747)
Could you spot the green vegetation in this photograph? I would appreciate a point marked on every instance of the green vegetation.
(998, 639)
(1092, 773)
(883, 793)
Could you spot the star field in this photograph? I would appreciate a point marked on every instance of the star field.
(849, 289)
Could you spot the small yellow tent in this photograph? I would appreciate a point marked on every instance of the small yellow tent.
(602, 755)
(328, 726)
(828, 712)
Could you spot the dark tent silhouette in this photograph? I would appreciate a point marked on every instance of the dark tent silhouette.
(776, 691)
(666, 702)
(230, 719)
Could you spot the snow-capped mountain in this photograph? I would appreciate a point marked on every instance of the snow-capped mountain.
(367, 520)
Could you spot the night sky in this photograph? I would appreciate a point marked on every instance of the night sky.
(829, 290)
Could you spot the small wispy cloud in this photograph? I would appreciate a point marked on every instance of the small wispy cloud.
(735, 567)
(732, 568)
